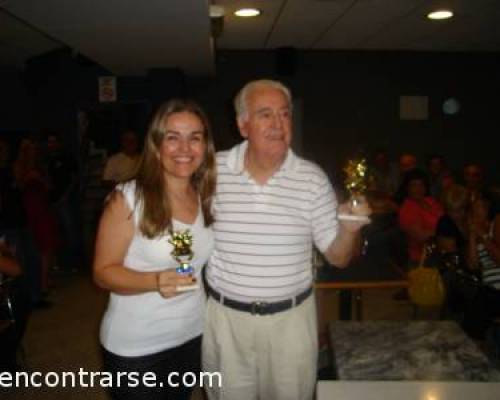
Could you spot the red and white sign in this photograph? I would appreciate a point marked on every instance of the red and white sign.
(107, 89)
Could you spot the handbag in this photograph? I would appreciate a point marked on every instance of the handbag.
(425, 286)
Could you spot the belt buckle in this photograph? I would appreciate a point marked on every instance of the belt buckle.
(258, 307)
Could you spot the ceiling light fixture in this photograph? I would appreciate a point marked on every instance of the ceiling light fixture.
(216, 20)
(216, 11)
(247, 12)
(440, 14)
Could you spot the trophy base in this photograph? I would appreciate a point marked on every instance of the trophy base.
(185, 270)
(187, 288)
(349, 217)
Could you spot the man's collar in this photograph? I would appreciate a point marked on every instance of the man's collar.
(236, 159)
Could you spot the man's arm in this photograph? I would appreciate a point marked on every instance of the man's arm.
(342, 249)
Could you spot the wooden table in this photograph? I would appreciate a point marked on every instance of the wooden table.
(353, 281)
(354, 289)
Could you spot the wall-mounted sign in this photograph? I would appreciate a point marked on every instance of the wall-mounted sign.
(107, 89)
(414, 108)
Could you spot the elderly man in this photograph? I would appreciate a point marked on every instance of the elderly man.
(271, 207)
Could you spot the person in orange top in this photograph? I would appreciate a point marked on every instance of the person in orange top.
(419, 213)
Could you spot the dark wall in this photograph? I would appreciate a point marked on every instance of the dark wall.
(16, 113)
(351, 101)
(45, 95)
(53, 87)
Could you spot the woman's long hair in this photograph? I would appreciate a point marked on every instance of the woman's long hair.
(151, 191)
(410, 176)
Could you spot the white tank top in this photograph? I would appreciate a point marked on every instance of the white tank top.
(143, 324)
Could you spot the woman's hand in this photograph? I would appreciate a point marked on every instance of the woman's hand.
(168, 281)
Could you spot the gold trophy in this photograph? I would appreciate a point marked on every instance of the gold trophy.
(182, 252)
(356, 172)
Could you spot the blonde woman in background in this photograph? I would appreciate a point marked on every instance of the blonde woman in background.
(483, 250)
(452, 226)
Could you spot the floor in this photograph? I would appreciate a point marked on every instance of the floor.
(65, 336)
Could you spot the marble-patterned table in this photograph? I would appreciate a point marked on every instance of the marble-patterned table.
(421, 390)
(407, 350)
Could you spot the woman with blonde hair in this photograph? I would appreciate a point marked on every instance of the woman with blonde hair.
(451, 228)
(153, 323)
(483, 250)
(484, 241)
(418, 214)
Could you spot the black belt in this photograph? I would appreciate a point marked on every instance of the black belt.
(260, 307)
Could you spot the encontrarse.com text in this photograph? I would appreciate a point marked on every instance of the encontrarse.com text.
(85, 379)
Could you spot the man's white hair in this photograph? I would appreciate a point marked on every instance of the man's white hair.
(240, 101)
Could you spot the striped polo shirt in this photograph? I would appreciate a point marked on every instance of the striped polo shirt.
(264, 233)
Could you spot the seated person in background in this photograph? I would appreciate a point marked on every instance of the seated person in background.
(475, 182)
(473, 176)
(483, 254)
(451, 227)
(451, 239)
(380, 203)
(439, 176)
(418, 214)
(122, 165)
(407, 162)
(383, 237)
(384, 174)
(484, 241)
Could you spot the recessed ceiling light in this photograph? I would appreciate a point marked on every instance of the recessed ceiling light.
(451, 106)
(440, 14)
(216, 11)
(247, 12)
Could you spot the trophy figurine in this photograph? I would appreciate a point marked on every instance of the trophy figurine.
(356, 184)
(182, 252)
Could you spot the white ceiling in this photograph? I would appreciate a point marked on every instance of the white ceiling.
(126, 36)
(19, 42)
(129, 37)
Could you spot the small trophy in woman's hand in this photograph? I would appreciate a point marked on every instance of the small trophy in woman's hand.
(182, 252)
(356, 172)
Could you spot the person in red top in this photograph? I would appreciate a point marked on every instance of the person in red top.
(418, 214)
